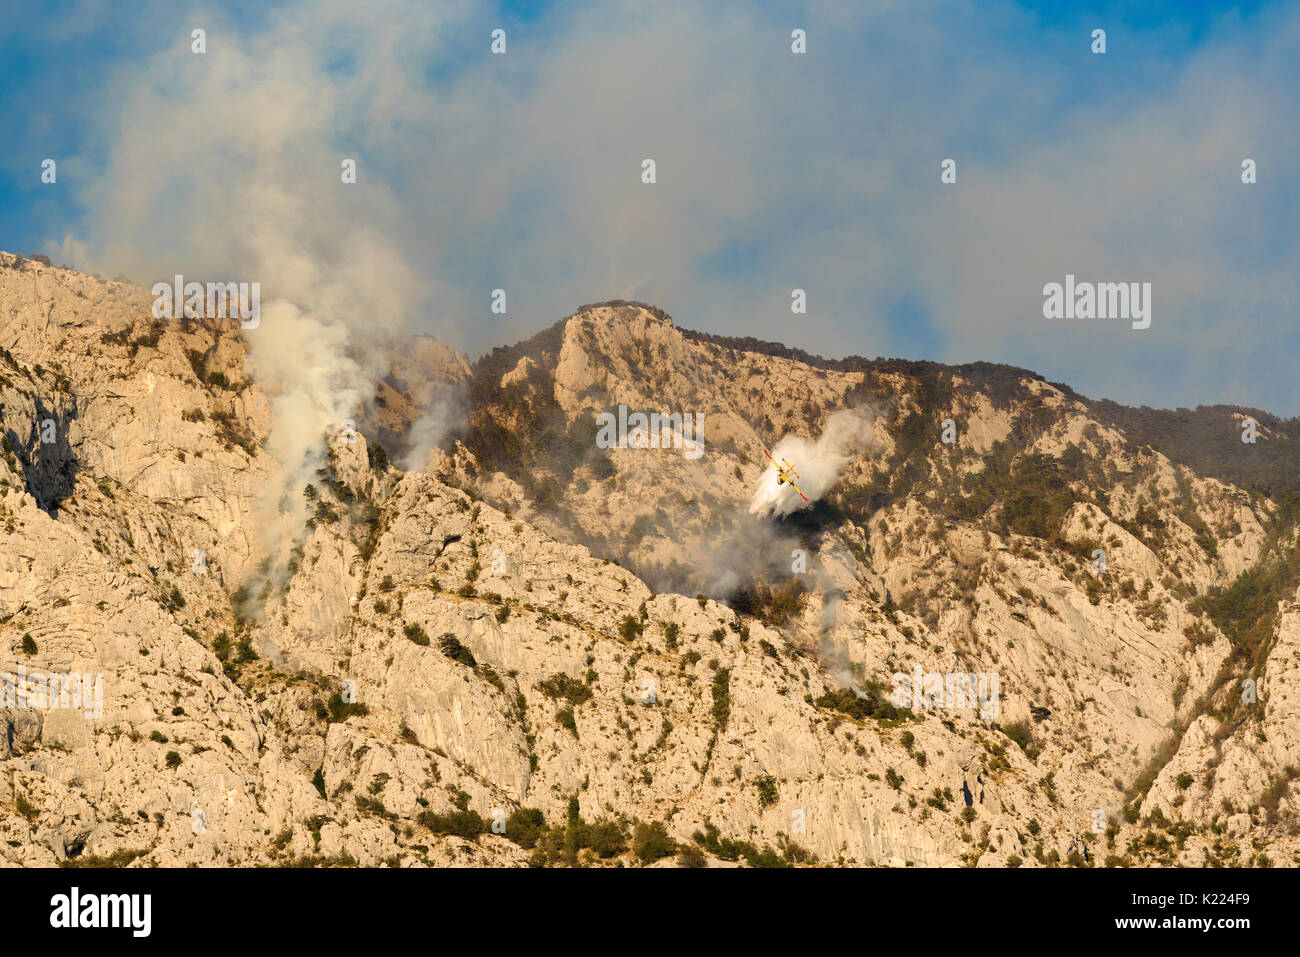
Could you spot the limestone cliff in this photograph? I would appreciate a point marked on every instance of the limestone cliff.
(537, 650)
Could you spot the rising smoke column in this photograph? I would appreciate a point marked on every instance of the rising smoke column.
(330, 256)
(819, 463)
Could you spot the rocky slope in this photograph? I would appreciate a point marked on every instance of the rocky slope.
(538, 651)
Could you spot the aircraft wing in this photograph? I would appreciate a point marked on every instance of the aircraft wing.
(797, 489)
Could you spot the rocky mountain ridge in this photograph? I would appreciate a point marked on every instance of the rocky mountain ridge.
(538, 651)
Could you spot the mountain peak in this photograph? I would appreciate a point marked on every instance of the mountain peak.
(622, 309)
(409, 650)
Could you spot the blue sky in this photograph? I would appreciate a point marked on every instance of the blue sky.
(775, 171)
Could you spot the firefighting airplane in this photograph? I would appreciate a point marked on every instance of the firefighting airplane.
(785, 474)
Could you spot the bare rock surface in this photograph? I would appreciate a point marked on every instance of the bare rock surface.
(439, 659)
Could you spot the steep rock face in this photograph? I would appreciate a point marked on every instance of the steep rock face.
(106, 393)
(976, 556)
(438, 652)
(651, 735)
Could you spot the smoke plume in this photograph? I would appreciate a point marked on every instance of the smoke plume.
(445, 408)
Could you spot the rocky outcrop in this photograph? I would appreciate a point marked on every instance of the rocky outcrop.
(436, 657)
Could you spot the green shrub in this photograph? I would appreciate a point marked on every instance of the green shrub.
(721, 698)
(566, 719)
(775, 605)
(561, 686)
(688, 855)
(873, 704)
(1021, 733)
(525, 826)
(606, 839)
(450, 646)
(650, 842)
(464, 824)
(339, 710)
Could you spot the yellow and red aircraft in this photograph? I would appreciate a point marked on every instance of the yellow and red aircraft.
(785, 473)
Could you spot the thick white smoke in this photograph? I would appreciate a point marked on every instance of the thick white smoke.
(818, 463)
(302, 363)
(445, 408)
(328, 254)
